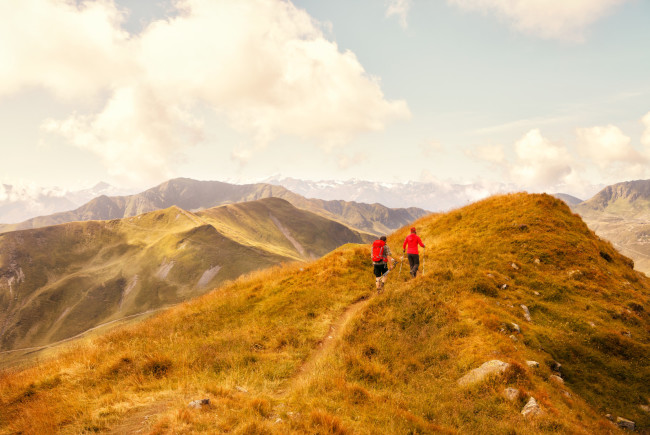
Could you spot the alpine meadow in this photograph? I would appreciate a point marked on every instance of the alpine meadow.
(312, 349)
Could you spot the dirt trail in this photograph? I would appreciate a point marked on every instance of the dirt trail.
(314, 363)
(141, 419)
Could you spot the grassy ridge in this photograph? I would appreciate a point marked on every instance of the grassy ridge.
(259, 349)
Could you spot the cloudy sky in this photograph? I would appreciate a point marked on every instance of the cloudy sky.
(544, 94)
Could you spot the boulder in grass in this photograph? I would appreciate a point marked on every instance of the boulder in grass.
(526, 313)
(531, 409)
(532, 364)
(198, 404)
(489, 368)
(624, 423)
(511, 394)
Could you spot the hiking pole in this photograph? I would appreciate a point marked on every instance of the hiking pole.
(423, 256)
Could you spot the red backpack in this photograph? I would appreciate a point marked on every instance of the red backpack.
(378, 251)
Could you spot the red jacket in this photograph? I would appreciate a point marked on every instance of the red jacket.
(412, 240)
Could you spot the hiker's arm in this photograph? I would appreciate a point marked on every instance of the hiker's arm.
(391, 262)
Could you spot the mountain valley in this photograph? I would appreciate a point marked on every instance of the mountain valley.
(59, 281)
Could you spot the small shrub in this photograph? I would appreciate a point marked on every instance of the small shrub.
(606, 256)
(157, 367)
(485, 287)
(515, 374)
(358, 395)
(635, 307)
(446, 275)
(328, 423)
(254, 428)
(262, 407)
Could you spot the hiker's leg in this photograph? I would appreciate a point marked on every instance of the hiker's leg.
(377, 271)
(416, 264)
(411, 263)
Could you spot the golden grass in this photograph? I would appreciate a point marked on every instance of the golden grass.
(393, 368)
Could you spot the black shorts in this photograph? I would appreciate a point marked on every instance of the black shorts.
(380, 269)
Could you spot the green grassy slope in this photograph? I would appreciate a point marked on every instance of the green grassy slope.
(59, 281)
(265, 223)
(193, 195)
(312, 349)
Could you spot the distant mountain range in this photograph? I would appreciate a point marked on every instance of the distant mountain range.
(59, 281)
(191, 194)
(433, 196)
(19, 203)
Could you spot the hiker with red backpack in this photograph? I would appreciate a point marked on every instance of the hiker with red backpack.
(380, 260)
(410, 246)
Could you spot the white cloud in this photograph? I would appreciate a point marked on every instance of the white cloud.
(549, 19)
(70, 50)
(540, 163)
(263, 64)
(137, 134)
(607, 146)
(399, 8)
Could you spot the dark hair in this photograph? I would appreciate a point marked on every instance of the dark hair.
(383, 238)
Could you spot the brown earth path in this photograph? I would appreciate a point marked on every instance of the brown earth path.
(142, 418)
(313, 364)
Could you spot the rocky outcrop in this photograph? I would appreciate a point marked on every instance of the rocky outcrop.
(531, 409)
(624, 423)
(526, 313)
(487, 369)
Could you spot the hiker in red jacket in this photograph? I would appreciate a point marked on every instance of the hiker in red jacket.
(412, 241)
(380, 260)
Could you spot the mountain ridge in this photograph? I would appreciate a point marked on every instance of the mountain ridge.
(629, 199)
(194, 195)
(93, 272)
(253, 348)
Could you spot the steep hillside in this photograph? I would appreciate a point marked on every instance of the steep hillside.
(59, 281)
(629, 199)
(196, 195)
(312, 349)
